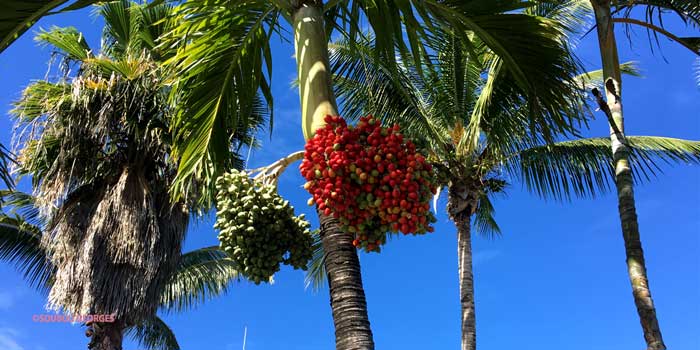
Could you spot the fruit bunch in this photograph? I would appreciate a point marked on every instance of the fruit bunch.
(370, 178)
(258, 228)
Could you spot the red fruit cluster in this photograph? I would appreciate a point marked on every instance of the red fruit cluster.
(370, 178)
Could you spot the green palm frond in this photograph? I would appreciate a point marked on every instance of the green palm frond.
(23, 205)
(574, 15)
(17, 16)
(20, 244)
(219, 74)
(5, 161)
(365, 85)
(201, 274)
(132, 29)
(68, 40)
(316, 274)
(153, 334)
(584, 167)
(484, 221)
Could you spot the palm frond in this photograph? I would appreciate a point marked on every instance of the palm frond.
(316, 275)
(5, 174)
(584, 167)
(20, 245)
(132, 29)
(68, 40)
(367, 85)
(201, 274)
(594, 79)
(222, 53)
(484, 221)
(17, 16)
(153, 334)
(687, 10)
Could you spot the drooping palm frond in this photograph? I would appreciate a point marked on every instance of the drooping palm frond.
(687, 10)
(20, 245)
(201, 274)
(5, 173)
(316, 274)
(153, 334)
(219, 73)
(17, 16)
(484, 221)
(584, 167)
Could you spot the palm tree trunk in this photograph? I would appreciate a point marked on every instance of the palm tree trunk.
(352, 329)
(348, 303)
(106, 336)
(636, 267)
(460, 211)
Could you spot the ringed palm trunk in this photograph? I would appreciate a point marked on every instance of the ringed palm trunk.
(347, 296)
(460, 210)
(636, 266)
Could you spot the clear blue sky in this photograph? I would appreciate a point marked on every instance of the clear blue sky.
(556, 279)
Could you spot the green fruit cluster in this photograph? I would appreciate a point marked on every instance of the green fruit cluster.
(258, 227)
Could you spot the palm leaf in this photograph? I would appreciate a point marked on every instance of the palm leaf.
(222, 49)
(201, 274)
(68, 40)
(153, 334)
(484, 221)
(316, 274)
(594, 79)
(17, 16)
(20, 244)
(584, 167)
(5, 174)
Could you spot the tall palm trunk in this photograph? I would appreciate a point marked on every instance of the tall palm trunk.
(623, 178)
(106, 336)
(460, 209)
(352, 328)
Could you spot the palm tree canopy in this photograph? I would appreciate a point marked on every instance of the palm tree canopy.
(223, 63)
(98, 146)
(200, 275)
(435, 114)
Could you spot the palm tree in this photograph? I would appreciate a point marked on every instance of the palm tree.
(605, 12)
(224, 60)
(98, 147)
(200, 274)
(457, 90)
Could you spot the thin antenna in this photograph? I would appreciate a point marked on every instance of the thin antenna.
(245, 334)
(248, 157)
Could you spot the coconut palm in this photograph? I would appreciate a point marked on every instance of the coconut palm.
(224, 60)
(607, 13)
(200, 274)
(98, 146)
(434, 106)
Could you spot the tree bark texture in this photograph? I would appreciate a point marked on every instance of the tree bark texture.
(347, 296)
(106, 336)
(352, 328)
(461, 206)
(636, 266)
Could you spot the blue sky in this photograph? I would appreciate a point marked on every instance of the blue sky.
(556, 279)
